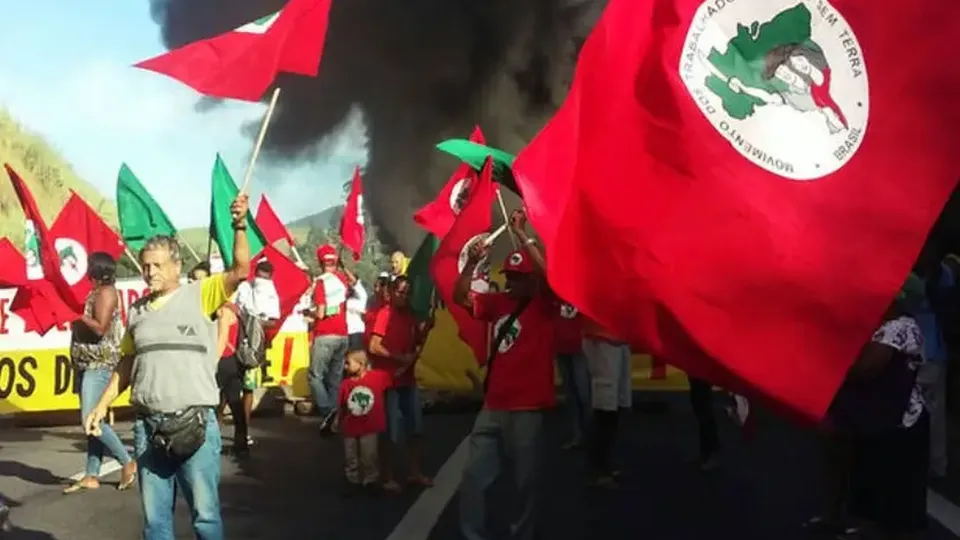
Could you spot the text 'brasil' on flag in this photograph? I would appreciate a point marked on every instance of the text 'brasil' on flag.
(753, 179)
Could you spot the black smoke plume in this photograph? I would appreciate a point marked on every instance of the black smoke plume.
(421, 71)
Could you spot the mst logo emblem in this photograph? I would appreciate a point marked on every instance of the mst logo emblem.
(567, 311)
(510, 337)
(73, 259)
(480, 282)
(782, 80)
(459, 195)
(360, 401)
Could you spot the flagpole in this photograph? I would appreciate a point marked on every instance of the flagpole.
(296, 254)
(506, 218)
(260, 137)
(190, 249)
(133, 259)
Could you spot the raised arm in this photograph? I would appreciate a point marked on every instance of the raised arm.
(237, 272)
(518, 223)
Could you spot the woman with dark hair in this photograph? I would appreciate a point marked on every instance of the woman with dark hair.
(95, 353)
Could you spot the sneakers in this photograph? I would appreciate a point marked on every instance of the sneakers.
(327, 423)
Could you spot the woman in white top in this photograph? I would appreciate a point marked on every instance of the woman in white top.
(356, 308)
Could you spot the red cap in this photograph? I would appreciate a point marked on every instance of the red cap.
(327, 254)
(518, 262)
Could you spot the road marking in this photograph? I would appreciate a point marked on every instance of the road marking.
(108, 467)
(420, 519)
(944, 511)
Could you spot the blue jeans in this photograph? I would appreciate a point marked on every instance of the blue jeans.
(576, 385)
(198, 477)
(404, 413)
(518, 437)
(92, 384)
(326, 370)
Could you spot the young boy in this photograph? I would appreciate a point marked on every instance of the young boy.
(362, 418)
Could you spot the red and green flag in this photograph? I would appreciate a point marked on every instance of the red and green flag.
(243, 63)
(741, 187)
(438, 215)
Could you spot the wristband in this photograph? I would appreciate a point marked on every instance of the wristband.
(530, 242)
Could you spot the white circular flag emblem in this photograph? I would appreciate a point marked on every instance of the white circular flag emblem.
(360, 401)
(567, 311)
(516, 259)
(783, 81)
(481, 274)
(360, 209)
(459, 194)
(73, 259)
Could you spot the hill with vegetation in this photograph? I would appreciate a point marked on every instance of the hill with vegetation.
(49, 177)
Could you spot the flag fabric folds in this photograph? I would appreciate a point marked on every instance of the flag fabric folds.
(224, 191)
(727, 187)
(352, 223)
(141, 218)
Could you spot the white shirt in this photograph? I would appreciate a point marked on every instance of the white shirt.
(356, 307)
(259, 298)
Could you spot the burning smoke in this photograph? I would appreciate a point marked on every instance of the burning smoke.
(421, 71)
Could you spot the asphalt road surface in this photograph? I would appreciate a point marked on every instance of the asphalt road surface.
(292, 486)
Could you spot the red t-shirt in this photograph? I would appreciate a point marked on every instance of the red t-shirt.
(361, 402)
(522, 376)
(335, 325)
(569, 330)
(398, 329)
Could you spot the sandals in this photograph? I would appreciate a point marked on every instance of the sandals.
(77, 487)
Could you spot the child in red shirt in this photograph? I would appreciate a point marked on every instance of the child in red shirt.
(362, 418)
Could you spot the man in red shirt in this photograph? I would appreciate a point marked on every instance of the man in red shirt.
(329, 333)
(395, 347)
(519, 384)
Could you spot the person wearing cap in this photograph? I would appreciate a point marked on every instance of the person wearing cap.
(519, 387)
(330, 342)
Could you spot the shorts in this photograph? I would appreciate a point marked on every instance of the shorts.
(404, 413)
(888, 481)
(251, 379)
(610, 377)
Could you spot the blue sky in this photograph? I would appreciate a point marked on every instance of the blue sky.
(66, 75)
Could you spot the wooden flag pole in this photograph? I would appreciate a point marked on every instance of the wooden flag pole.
(296, 254)
(260, 137)
(190, 249)
(133, 259)
(506, 219)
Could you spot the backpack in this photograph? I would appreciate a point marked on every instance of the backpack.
(251, 346)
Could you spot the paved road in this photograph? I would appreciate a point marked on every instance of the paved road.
(292, 487)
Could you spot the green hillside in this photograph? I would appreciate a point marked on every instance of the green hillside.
(49, 177)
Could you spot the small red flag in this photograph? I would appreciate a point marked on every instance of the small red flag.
(243, 63)
(270, 225)
(290, 281)
(352, 228)
(737, 176)
(438, 216)
(77, 232)
(471, 226)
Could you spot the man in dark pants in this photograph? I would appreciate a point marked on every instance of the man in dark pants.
(701, 399)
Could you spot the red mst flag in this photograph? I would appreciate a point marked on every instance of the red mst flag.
(270, 225)
(438, 216)
(471, 226)
(291, 282)
(77, 232)
(352, 222)
(243, 63)
(13, 267)
(741, 187)
(46, 299)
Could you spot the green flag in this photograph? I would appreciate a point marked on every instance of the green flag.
(421, 283)
(224, 192)
(141, 218)
(474, 154)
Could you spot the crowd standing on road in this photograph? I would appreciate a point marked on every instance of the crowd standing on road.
(183, 357)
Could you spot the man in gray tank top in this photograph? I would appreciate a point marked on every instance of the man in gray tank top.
(169, 358)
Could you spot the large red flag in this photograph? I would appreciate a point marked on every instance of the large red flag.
(242, 63)
(78, 232)
(289, 280)
(472, 226)
(270, 225)
(438, 215)
(352, 222)
(13, 267)
(46, 299)
(739, 185)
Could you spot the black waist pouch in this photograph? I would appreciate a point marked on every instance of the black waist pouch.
(179, 435)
